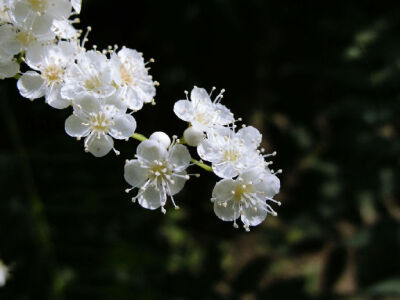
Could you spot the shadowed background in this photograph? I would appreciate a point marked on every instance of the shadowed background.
(321, 82)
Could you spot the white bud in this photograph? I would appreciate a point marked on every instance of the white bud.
(161, 137)
(193, 137)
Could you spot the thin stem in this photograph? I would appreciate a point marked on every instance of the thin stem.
(141, 138)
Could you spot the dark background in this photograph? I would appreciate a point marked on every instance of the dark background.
(319, 79)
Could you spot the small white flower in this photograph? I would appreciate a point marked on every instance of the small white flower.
(100, 120)
(135, 85)
(157, 173)
(8, 68)
(246, 197)
(39, 14)
(201, 112)
(4, 274)
(50, 61)
(231, 152)
(90, 75)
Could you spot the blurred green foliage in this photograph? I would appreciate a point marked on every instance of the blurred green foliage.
(319, 79)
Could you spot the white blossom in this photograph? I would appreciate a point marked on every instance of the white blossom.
(99, 121)
(135, 85)
(4, 274)
(50, 62)
(157, 173)
(201, 112)
(231, 152)
(90, 75)
(39, 14)
(248, 197)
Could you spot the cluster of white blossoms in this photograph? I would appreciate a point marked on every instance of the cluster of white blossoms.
(248, 185)
(105, 88)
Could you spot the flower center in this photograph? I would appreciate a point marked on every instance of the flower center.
(241, 191)
(25, 37)
(38, 5)
(231, 155)
(99, 122)
(93, 83)
(53, 74)
(126, 76)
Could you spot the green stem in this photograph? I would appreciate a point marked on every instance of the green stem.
(141, 138)
(202, 165)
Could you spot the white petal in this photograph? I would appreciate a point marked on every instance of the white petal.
(42, 27)
(63, 29)
(179, 155)
(151, 150)
(230, 212)
(116, 101)
(250, 135)
(252, 217)
(100, 146)
(87, 103)
(124, 126)
(225, 169)
(207, 151)
(54, 98)
(8, 69)
(151, 198)
(222, 191)
(135, 174)
(270, 185)
(184, 110)
(76, 4)
(59, 9)
(225, 116)
(179, 183)
(31, 85)
(199, 95)
(131, 98)
(75, 127)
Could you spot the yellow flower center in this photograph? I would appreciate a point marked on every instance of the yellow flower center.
(38, 5)
(53, 74)
(93, 83)
(231, 155)
(99, 122)
(25, 37)
(126, 76)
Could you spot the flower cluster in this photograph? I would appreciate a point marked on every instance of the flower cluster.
(105, 88)
(101, 86)
(248, 185)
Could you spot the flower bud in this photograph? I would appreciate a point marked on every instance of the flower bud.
(161, 137)
(193, 137)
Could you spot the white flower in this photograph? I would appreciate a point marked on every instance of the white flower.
(246, 197)
(90, 75)
(4, 274)
(39, 14)
(135, 85)
(201, 112)
(231, 152)
(100, 120)
(8, 68)
(50, 61)
(157, 173)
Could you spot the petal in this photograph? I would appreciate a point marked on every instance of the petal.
(250, 135)
(179, 183)
(124, 126)
(199, 95)
(8, 69)
(131, 98)
(269, 185)
(87, 103)
(222, 191)
(59, 9)
(151, 150)
(100, 146)
(116, 101)
(224, 115)
(31, 85)
(184, 110)
(207, 151)
(42, 27)
(135, 174)
(252, 217)
(225, 169)
(76, 4)
(75, 127)
(63, 29)
(151, 198)
(54, 99)
(179, 155)
(230, 212)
